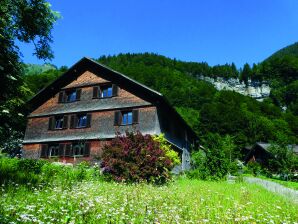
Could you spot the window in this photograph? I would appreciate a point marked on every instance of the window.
(80, 121)
(106, 91)
(126, 118)
(59, 122)
(71, 96)
(78, 149)
(53, 150)
(65, 150)
(81, 149)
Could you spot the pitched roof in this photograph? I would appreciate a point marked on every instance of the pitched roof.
(117, 78)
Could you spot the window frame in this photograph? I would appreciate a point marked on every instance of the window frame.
(98, 91)
(78, 121)
(125, 115)
(73, 93)
(119, 114)
(50, 150)
(61, 119)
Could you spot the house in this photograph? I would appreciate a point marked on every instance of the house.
(260, 152)
(75, 116)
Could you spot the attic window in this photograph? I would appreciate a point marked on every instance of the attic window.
(69, 95)
(105, 91)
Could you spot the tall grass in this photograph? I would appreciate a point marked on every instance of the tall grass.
(91, 200)
(36, 172)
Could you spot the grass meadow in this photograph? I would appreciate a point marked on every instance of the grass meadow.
(181, 201)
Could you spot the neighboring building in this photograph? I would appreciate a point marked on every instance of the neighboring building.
(77, 114)
(260, 152)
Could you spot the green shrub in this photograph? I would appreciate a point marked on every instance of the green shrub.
(167, 148)
(215, 161)
(136, 158)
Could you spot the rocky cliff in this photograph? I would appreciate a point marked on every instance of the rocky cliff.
(256, 90)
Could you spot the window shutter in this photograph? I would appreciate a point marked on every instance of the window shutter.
(78, 94)
(87, 149)
(117, 118)
(115, 90)
(44, 151)
(61, 149)
(61, 97)
(88, 121)
(135, 116)
(51, 123)
(72, 121)
(68, 150)
(65, 121)
(95, 92)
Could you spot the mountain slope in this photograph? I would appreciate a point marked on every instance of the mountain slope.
(291, 50)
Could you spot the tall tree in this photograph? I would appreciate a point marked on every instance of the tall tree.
(246, 73)
(28, 21)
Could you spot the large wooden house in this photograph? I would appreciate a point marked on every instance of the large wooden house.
(76, 115)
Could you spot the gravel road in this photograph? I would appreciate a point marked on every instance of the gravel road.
(274, 187)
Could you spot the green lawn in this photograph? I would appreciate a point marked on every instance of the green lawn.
(183, 201)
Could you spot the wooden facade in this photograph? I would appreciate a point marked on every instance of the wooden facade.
(76, 115)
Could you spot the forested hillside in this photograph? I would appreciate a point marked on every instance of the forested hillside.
(204, 108)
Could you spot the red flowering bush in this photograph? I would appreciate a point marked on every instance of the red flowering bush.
(136, 158)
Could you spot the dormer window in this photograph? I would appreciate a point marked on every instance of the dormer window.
(71, 96)
(68, 96)
(105, 91)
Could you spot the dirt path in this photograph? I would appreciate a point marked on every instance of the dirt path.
(275, 187)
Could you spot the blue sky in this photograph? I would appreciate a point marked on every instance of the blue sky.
(215, 31)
